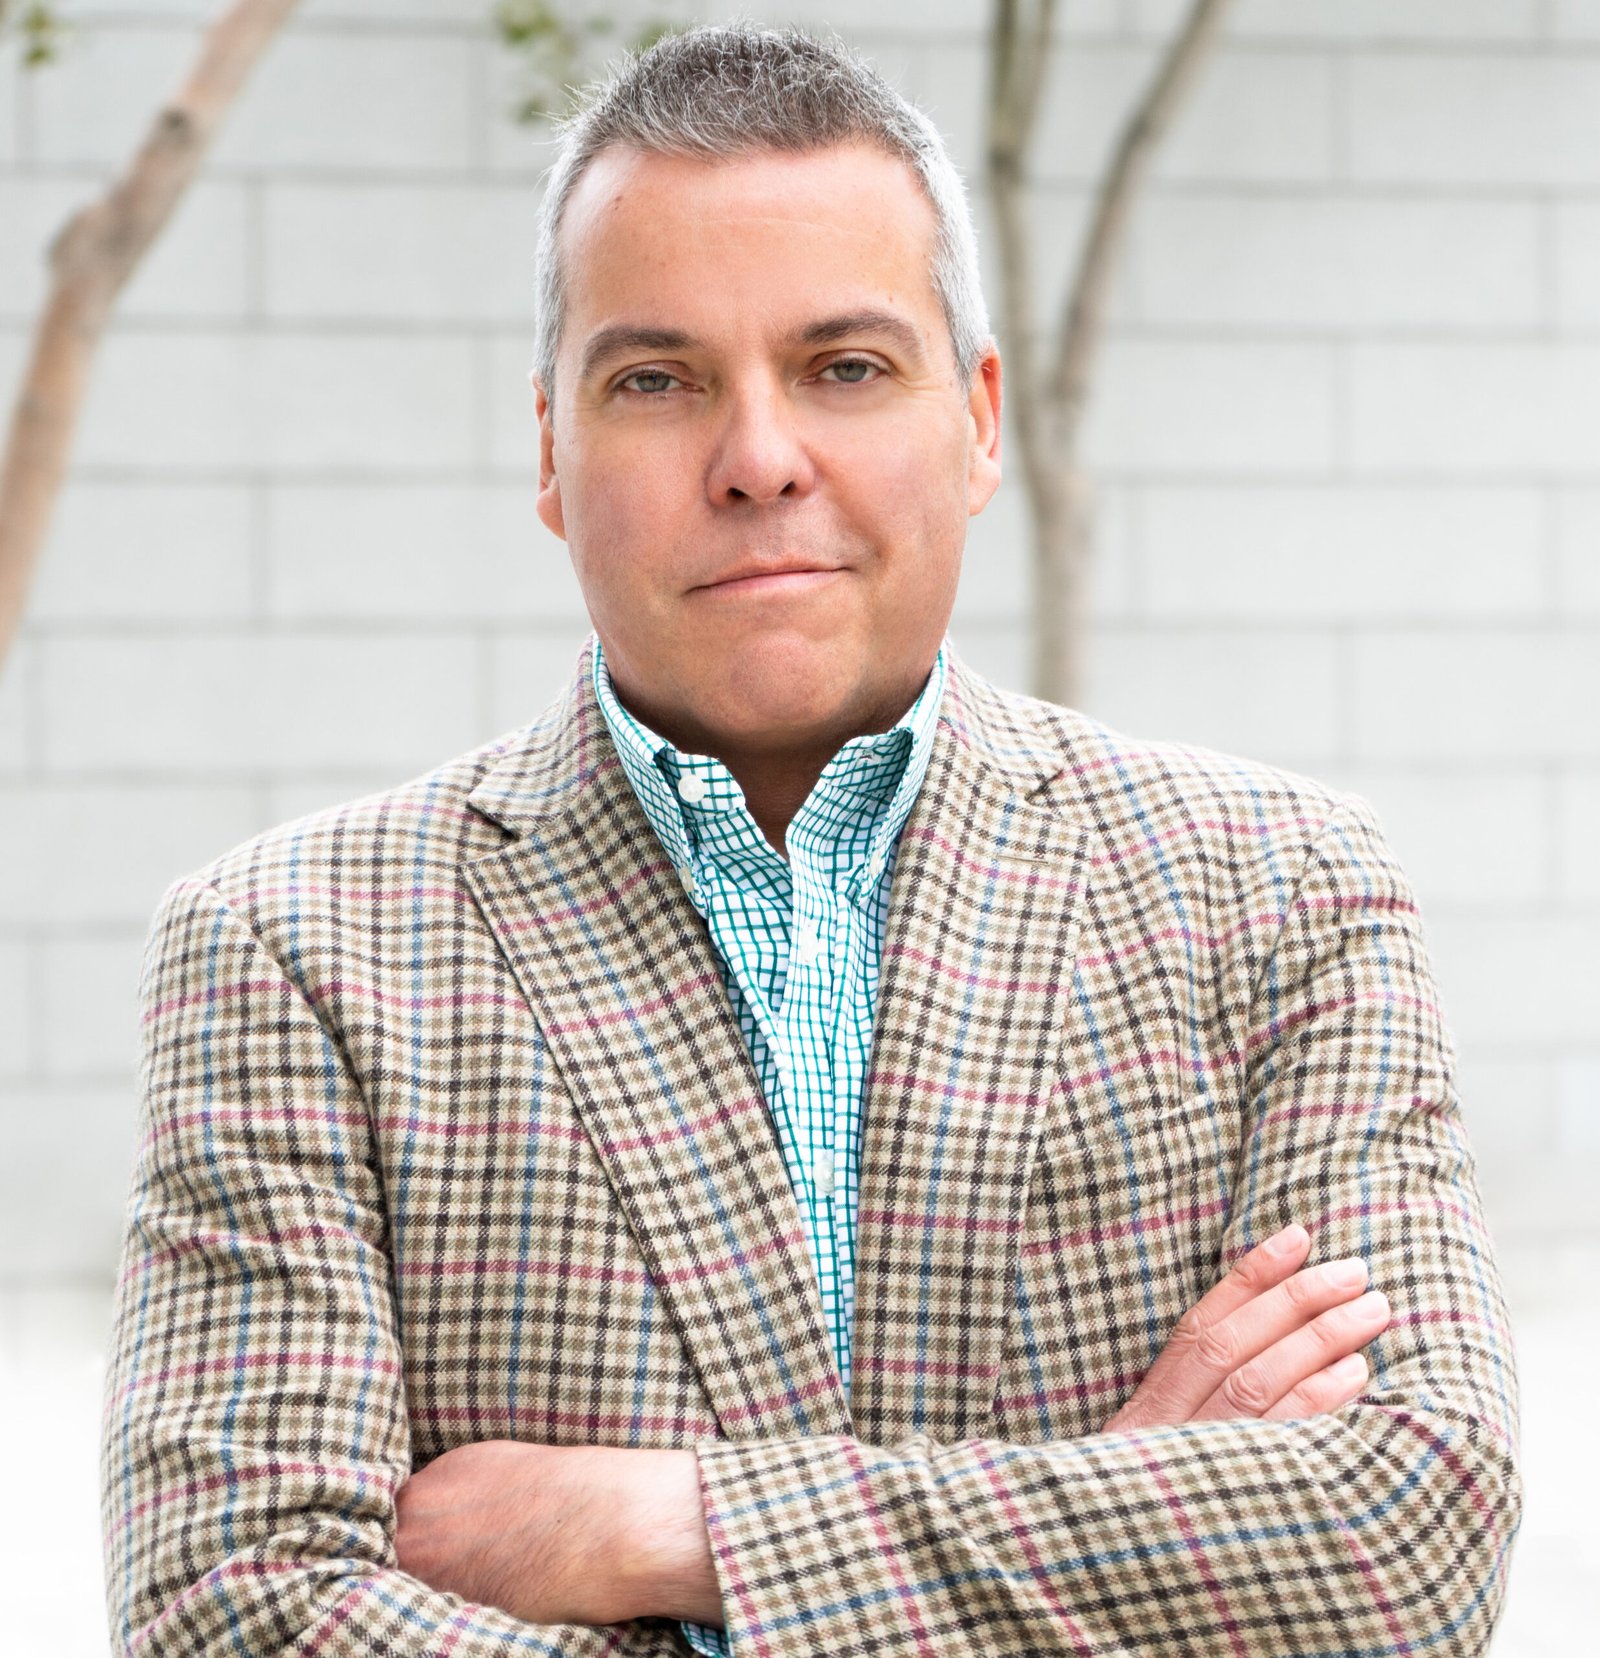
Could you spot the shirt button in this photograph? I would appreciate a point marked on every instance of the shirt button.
(822, 1174)
(807, 948)
(693, 788)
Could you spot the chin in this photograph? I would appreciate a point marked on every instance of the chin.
(790, 686)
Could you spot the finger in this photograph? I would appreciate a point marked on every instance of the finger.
(1200, 1359)
(1277, 1313)
(1171, 1387)
(1330, 1389)
(1258, 1269)
(1253, 1388)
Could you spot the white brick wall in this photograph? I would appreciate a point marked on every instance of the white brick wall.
(1347, 437)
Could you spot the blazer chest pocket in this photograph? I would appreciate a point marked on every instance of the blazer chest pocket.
(1122, 1232)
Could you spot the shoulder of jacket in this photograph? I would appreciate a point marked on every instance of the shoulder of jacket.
(1122, 786)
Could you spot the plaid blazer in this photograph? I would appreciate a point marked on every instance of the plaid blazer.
(449, 1134)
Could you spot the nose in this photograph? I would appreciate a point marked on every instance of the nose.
(760, 454)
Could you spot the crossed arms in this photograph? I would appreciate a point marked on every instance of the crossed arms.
(257, 1438)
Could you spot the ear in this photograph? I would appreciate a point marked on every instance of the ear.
(983, 416)
(548, 503)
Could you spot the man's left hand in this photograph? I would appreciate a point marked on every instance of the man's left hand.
(591, 1534)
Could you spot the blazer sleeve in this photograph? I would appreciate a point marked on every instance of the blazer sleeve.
(1382, 1528)
(255, 1427)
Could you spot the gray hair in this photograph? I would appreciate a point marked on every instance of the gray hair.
(735, 89)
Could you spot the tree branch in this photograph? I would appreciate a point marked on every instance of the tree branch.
(1019, 54)
(1083, 316)
(91, 260)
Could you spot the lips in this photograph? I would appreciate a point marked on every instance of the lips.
(767, 579)
(773, 581)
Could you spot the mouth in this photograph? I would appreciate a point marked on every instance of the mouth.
(775, 582)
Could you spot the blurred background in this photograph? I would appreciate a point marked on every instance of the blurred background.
(1345, 440)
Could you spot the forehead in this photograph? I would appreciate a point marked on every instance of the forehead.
(750, 233)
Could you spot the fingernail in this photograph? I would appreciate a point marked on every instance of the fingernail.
(1287, 1241)
(1346, 1371)
(1373, 1302)
(1351, 1270)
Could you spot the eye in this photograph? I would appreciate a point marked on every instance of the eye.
(853, 371)
(650, 381)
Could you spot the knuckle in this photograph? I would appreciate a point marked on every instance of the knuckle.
(1302, 1291)
(1245, 1392)
(1189, 1329)
(1216, 1348)
(1305, 1400)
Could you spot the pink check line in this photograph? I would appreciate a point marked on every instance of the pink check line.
(1037, 875)
(247, 1474)
(1358, 901)
(1374, 1582)
(1300, 1016)
(690, 1127)
(732, 1579)
(572, 1272)
(1196, 1548)
(545, 919)
(1401, 1206)
(521, 1127)
(614, 1422)
(1064, 1395)
(734, 1259)
(891, 1549)
(1022, 1528)
(203, 1586)
(310, 1116)
(264, 1361)
(356, 895)
(1026, 987)
(331, 987)
(943, 1090)
(921, 1221)
(1338, 1108)
(1167, 935)
(1123, 851)
(751, 1408)
(636, 1011)
(220, 993)
(921, 1367)
(1125, 1228)
(241, 1240)
(339, 1614)
(1152, 1057)
(1449, 1315)
(386, 998)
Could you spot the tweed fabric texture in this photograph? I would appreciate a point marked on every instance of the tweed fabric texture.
(449, 1134)
(799, 940)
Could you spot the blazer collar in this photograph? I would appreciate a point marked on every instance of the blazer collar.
(621, 974)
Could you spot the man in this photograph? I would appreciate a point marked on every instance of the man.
(798, 1151)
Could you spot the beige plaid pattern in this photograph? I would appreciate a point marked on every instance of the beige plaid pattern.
(449, 1134)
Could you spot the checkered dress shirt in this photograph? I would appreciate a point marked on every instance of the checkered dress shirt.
(798, 942)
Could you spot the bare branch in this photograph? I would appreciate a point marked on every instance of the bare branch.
(1083, 317)
(1019, 52)
(91, 260)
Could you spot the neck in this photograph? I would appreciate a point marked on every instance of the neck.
(775, 780)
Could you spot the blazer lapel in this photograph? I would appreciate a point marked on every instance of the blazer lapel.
(973, 994)
(620, 971)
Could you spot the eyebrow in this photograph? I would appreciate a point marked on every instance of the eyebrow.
(620, 338)
(886, 324)
(624, 337)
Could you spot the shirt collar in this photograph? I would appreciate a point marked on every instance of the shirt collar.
(887, 764)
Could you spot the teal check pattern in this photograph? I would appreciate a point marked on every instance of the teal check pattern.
(799, 942)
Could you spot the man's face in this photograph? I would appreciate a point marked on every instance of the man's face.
(760, 454)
